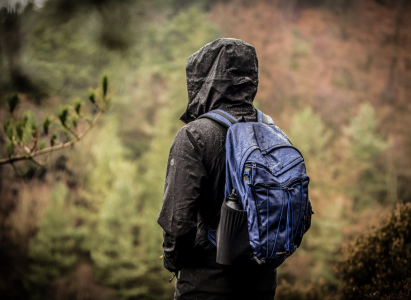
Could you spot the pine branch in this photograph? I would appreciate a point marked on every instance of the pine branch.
(31, 154)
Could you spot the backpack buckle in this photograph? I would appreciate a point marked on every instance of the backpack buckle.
(260, 262)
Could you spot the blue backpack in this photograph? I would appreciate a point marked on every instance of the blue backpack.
(270, 178)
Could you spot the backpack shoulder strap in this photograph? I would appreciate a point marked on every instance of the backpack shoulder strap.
(221, 117)
(262, 118)
(225, 119)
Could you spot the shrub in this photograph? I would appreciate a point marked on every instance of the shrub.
(378, 266)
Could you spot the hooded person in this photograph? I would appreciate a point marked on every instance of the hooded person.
(221, 75)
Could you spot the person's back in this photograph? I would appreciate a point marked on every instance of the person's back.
(223, 75)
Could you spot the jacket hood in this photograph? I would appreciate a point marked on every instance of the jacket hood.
(222, 74)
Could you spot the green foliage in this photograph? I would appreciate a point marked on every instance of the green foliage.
(20, 126)
(127, 248)
(57, 246)
(42, 145)
(24, 134)
(118, 251)
(63, 115)
(17, 76)
(30, 126)
(9, 128)
(74, 120)
(46, 124)
(105, 99)
(378, 266)
(104, 85)
(367, 143)
(310, 135)
(12, 102)
(169, 45)
(53, 138)
(320, 246)
(59, 46)
(10, 148)
(92, 96)
(77, 105)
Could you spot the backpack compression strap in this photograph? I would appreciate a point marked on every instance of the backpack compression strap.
(225, 119)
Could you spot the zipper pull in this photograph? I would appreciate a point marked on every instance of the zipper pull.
(171, 279)
(253, 172)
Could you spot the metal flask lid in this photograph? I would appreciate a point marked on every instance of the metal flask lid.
(233, 201)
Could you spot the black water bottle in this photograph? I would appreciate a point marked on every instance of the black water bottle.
(232, 238)
(233, 201)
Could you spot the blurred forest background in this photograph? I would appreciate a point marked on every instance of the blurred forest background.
(334, 75)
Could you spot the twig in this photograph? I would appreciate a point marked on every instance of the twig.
(53, 148)
(40, 164)
(71, 131)
(85, 119)
(35, 142)
(18, 172)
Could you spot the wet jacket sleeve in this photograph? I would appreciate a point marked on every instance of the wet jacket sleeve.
(182, 192)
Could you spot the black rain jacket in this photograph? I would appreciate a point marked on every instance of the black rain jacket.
(223, 74)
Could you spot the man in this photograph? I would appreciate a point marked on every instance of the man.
(221, 75)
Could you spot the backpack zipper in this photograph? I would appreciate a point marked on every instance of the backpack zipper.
(273, 183)
(286, 185)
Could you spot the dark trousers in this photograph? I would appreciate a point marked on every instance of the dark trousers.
(212, 281)
(253, 296)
